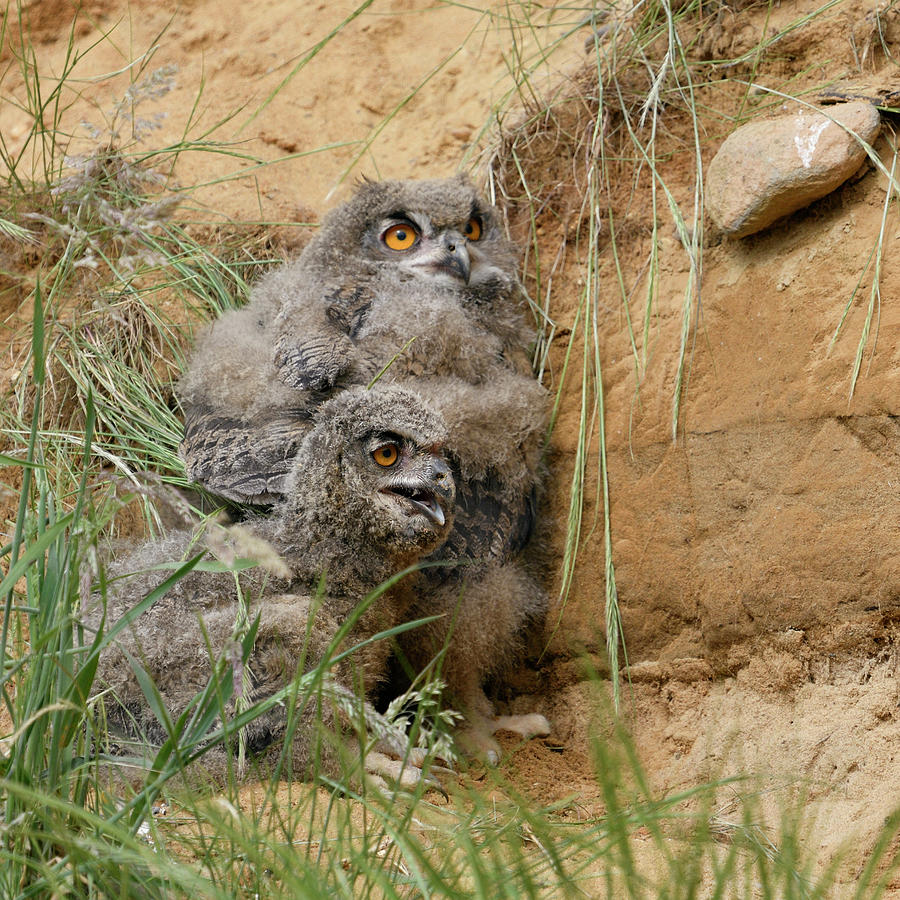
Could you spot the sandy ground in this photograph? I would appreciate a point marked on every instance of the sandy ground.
(756, 555)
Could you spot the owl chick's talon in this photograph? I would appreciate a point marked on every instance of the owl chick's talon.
(528, 726)
(404, 773)
(418, 756)
(477, 740)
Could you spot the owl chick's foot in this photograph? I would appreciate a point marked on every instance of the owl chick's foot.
(528, 726)
(406, 773)
(477, 740)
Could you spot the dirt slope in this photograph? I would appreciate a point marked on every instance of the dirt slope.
(757, 555)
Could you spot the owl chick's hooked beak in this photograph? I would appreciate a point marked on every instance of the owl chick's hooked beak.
(453, 255)
(430, 494)
(447, 254)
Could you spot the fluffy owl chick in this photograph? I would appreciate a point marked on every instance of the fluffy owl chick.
(432, 241)
(369, 496)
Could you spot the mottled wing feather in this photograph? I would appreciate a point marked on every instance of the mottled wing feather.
(315, 364)
(487, 524)
(348, 307)
(317, 357)
(240, 460)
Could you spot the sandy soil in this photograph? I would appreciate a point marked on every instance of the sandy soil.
(757, 555)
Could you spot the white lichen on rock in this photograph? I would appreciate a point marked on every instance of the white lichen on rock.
(772, 167)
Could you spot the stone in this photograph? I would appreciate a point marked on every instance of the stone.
(772, 167)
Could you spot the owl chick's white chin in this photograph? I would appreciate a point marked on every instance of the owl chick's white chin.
(437, 275)
(446, 264)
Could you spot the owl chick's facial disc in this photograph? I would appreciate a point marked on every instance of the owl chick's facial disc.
(418, 247)
(414, 483)
(439, 231)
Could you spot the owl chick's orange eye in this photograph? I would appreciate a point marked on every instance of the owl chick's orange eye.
(472, 229)
(401, 236)
(386, 454)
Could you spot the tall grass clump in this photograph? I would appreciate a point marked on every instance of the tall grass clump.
(559, 166)
(60, 834)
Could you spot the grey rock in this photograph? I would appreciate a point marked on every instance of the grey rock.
(772, 167)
